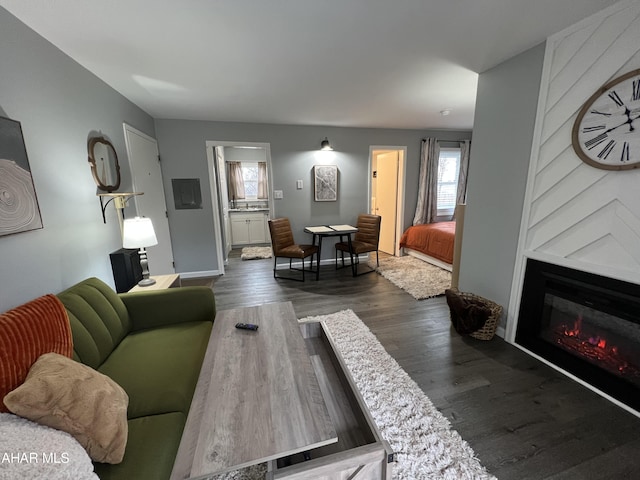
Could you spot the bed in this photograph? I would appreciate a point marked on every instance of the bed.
(431, 242)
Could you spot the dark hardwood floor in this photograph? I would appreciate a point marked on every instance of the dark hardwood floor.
(523, 419)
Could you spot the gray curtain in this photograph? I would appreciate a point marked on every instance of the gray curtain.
(427, 207)
(263, 190)
(236, 182)
(461, 195)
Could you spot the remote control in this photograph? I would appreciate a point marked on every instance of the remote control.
(247, 326)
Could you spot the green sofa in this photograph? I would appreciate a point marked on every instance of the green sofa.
(152, 344)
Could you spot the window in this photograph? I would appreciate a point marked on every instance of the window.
(250, 178)
(448, 169)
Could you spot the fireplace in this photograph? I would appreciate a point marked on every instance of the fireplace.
(586, 324)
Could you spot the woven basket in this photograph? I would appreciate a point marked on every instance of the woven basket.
(489, 329)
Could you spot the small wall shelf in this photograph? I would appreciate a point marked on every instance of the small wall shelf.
(119, 199)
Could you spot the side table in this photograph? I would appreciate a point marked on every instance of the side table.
(162, 282)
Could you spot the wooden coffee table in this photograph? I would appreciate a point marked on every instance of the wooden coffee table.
(257, 397)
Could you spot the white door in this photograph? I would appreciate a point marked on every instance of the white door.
(147, 178)
(386, 199)
(224, 200)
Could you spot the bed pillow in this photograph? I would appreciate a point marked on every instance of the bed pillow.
(467, 316)
(37, 327)
(29, 450)
(69, 396)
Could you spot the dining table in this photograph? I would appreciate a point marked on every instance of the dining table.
(321, 231)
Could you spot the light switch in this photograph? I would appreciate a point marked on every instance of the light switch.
(299, 184)
(277, 194)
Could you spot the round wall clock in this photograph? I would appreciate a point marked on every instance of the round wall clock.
(606, 133)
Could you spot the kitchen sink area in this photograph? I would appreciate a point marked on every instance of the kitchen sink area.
(249, 224)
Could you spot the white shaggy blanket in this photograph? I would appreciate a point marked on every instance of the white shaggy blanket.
(31, 451)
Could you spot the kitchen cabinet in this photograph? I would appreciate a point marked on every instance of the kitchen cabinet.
(249, 228)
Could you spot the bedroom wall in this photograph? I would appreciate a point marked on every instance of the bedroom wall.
(294, 152)
(59, 104)
(499, 158)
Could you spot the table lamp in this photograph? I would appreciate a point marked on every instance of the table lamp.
(138, 233)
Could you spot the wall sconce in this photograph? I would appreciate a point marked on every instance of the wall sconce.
(325, 145)
(138, 233)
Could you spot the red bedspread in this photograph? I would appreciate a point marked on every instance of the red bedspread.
(434, 239)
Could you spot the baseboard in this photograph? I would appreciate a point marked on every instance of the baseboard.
(204, 273)
(428, 259)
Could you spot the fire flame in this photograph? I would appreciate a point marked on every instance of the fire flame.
(575, 331)
(595, 348)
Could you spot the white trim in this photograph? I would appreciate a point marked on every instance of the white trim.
(428, 259)
(580, 381)
(630, 276)
(204, 273)
(402, 182)
(215, 207)
(213, 181)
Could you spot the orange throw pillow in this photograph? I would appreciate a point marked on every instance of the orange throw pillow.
(26, 332)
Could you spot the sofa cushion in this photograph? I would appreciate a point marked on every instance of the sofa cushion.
(151, 449)
(28, 331)
(99, 320)
(159, 368)
(69, 396)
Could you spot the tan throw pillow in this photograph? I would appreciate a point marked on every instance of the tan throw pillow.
(64, 394)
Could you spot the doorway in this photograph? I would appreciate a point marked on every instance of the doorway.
(387, 194)
(222, 220)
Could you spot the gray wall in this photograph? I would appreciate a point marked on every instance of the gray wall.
(59, 104)
(503, 132)
(294, 152)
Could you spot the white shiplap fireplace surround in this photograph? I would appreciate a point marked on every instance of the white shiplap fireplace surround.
(575, 215)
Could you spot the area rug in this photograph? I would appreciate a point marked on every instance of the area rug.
(419, 279)
(426, 445)
(253, 253)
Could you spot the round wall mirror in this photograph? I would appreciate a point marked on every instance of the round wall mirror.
(104, 164)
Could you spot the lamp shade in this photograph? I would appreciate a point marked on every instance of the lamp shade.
(138, 233)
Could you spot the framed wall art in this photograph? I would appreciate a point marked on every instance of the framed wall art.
(325, 181)
(19, 210)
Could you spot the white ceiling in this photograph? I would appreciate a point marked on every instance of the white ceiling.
(365, 63)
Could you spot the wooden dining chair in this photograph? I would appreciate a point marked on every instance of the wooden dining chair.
(285, 247)
(365, 240)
